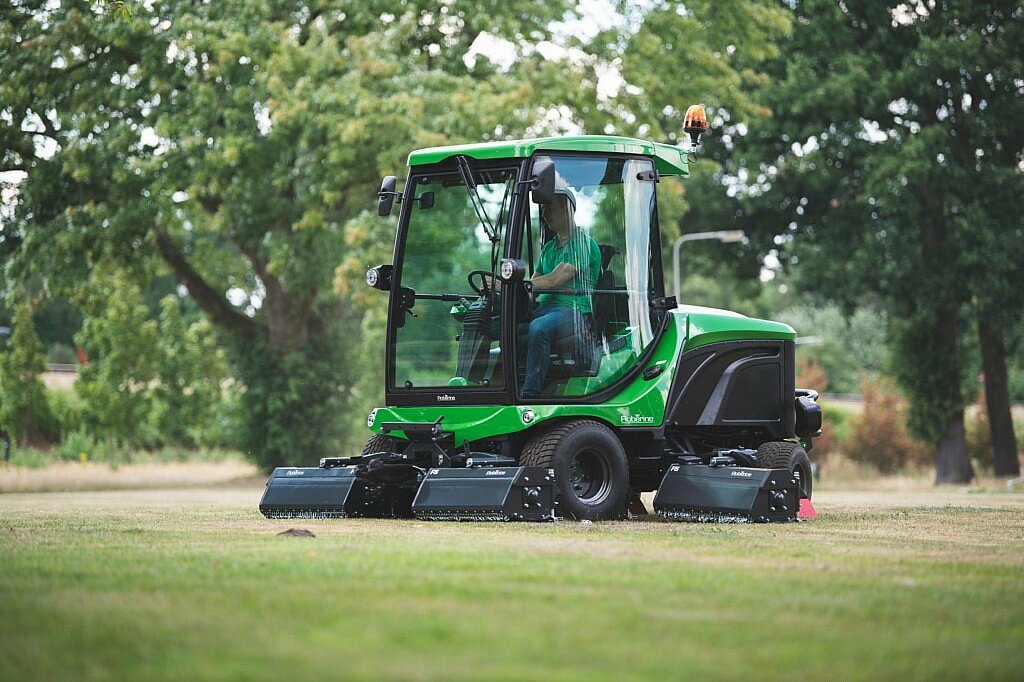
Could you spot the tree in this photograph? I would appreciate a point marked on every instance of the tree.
(121, 343)
(190, 369)
(670, 55)
(24, 411)
(897, 137)
(232, 143)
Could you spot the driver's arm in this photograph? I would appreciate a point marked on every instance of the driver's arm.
(563, 273)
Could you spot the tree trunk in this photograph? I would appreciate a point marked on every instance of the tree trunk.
(997, 400)
(952, 463)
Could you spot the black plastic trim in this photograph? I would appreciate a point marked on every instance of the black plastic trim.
(706, 380)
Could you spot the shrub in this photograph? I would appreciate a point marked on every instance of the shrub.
(834, 427)
(811, 374)
(67, 409)
(190, 370)
(121, 343)
(78, 446)
(879, 437)
(24, 410)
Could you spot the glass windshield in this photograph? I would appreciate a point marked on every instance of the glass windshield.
(594, 259)
(449, 318)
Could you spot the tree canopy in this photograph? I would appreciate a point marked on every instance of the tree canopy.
(234, 147)
(897, 128)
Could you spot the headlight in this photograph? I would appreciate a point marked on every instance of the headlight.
(371, 418)
(512, 270)
(380, 277)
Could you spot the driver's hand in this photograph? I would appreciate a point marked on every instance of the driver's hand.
(566, 270)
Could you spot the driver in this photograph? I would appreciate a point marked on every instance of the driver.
(570, 260)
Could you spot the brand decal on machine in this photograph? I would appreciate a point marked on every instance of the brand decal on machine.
(637, 419)
(495, 472)
(742, 474)
(294, 472)
(445, 398)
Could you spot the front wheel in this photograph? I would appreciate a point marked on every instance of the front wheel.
(590, 468)
(376, 445)
(792, 458)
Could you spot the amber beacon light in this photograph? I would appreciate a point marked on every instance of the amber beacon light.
(695, 124)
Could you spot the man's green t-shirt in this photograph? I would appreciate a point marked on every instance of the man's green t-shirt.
(581, 251)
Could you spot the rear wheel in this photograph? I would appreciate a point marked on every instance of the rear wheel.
(590, 468)
(788, 456)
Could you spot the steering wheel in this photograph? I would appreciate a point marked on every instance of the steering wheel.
(483, 282)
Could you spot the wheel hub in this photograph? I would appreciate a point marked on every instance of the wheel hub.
(590, 477)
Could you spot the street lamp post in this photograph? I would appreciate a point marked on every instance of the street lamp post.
(725, 236)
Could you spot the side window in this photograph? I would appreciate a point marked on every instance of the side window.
(589, 328)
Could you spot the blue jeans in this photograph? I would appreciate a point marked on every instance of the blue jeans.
(548, 324)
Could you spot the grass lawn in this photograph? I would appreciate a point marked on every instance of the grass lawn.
(194, 584)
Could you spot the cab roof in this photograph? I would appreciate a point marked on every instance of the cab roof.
(668, 160)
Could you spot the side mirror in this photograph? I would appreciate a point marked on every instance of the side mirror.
(542, 184)
(386, 195)
(425, 200)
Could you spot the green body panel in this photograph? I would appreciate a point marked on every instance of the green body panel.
(640, 403)
(711, 325)
(668, 160)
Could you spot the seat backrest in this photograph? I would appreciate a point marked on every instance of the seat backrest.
(609, 308)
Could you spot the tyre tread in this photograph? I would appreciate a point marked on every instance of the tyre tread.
(783, 454)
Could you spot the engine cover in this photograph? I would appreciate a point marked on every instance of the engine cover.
(486, 494)
(727, 494)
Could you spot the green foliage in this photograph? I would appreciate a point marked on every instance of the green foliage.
(671, 55)
(895, 142)
(122, 346)
(241, 141)
(1016, 379)
(79, 446)
(850, 344)
(67, 409)
(57, 321)
(190, 370)
(837, 421)
(24, 411)
(291, 402)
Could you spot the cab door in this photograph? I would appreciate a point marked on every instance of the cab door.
(614, 222)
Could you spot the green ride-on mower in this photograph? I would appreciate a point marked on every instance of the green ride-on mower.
(535, 368)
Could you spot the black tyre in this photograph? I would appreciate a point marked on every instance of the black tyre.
(590, 468)
(377, 443)
(788, 456)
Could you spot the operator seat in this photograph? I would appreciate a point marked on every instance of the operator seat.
(580, 355)
(610, 309)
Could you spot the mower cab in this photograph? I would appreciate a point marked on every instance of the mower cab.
(535, 368)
